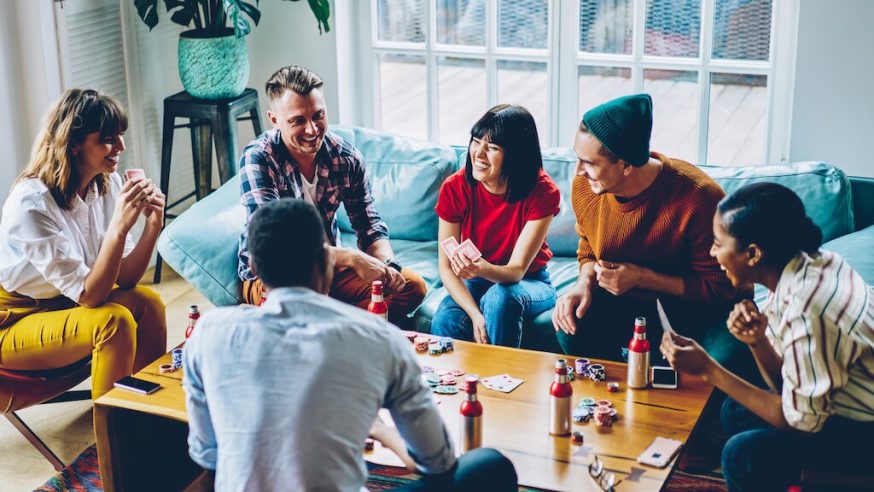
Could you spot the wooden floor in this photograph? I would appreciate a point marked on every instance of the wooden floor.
(737, 112)
(67, 427)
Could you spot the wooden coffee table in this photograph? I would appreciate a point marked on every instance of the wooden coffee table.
(141, 439)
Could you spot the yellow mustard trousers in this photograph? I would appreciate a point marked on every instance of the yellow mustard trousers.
(123, 335)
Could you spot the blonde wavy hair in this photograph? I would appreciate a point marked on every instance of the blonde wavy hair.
(77, 113)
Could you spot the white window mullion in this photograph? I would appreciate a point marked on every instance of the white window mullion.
(638, 44)
(781, 81)
(567, 80)
(431, 70)
(704, 79)
(491, 49)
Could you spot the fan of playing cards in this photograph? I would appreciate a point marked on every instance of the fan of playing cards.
(466, 248)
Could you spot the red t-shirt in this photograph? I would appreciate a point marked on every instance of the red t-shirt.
(493, 224)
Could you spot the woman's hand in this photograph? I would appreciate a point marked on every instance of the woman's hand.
(154, 211)
(465, 268)
(480, 335)
(747, 324)
(133, 198)
(684, 354)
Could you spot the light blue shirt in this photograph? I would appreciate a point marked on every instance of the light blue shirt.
(283, 396)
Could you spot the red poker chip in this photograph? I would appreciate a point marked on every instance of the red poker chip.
(457, 372)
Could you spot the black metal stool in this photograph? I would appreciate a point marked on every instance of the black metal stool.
(206, 119)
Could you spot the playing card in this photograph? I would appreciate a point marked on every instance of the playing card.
(502, 382)
(135, 173)
(449, 245)
(469, 250)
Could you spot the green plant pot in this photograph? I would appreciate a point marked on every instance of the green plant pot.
(213, 67)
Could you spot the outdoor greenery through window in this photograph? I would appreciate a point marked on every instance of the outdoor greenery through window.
(709, 65)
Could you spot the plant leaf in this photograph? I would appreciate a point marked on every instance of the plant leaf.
(238, 20)
(251, 11)
(184, 14)
(322, 10)
(148, 12)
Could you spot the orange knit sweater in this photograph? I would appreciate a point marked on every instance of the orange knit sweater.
(668, 228)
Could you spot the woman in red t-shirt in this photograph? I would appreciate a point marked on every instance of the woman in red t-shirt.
(503, 202)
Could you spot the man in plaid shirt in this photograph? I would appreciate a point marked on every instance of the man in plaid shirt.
(298, 158)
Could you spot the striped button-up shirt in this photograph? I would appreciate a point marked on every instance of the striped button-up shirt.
(268, 172)
(821, 320)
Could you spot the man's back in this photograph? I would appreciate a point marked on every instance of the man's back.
(284, 395)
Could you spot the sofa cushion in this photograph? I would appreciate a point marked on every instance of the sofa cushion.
(823, 188)
(405, 177)
(202, 243)
(855, 248)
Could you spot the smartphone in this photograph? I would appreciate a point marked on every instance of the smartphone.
(137, 385)
(664, 377)
(660, 452)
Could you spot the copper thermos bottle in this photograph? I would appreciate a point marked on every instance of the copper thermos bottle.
(560, 394)
(471, 417)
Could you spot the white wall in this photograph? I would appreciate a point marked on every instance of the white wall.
(833, 109)
(289, 35)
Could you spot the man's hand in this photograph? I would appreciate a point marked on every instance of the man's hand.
(571, 307)
(390, 438)
(618, 278)
(685, 355)
(747, 324)
(369, 269)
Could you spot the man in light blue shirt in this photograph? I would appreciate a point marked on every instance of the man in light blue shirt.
(282, 397)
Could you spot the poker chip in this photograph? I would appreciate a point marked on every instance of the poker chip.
(581, 414)
(368, 444)
(577, 437)
(446, 390)
(582, 366)
(614, 415)
(166, 368)
(597, 372)
(433, 341)
(432, 379)
(587, 402)
(448, 380)
(434, 350)
(604, 403)
(612, 387)
(177, 358)
(446, 344)
(457, 372)
(570, 376)
(427, 369)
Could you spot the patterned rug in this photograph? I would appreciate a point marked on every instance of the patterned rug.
(83, 475)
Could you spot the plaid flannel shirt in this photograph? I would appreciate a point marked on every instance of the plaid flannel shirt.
(268, 172)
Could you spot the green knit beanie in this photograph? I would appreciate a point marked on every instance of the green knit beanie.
(624, 126)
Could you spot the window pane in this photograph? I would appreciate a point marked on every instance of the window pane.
(672, 27)
(601, 84)
(461, 97)
(606, 26)
(737, 119)
(526, 84)
(742, 29)
(523, 23)
(461, 22)
(403, 95)
(675, 112)
(401, 20)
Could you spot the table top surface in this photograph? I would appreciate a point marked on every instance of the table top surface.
(516, 423)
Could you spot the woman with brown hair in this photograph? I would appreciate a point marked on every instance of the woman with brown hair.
(68, 265)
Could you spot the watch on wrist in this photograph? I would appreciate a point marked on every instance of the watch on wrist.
(392, 263)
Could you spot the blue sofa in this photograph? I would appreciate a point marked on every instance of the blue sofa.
(201, 244)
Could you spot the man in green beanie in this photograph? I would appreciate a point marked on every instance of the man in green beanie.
(645, 227)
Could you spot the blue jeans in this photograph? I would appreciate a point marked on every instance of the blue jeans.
(477, 470)
(504, 307)
(761, 457)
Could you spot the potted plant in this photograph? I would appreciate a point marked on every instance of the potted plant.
(213, 58)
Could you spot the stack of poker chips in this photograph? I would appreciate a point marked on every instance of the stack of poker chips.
(582, 367)
(446, 344)
(442, 382)
(603, 416)
(434, 349)
(581, 414)
(368, 444)
(612, 387)
(421, 343)
(597, 372)
(577, 437)
(177, 358)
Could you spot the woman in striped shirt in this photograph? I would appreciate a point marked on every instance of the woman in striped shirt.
(813, 341)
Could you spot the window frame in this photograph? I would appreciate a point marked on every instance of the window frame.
(563, 59)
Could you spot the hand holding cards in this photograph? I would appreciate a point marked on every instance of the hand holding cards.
(466, 248)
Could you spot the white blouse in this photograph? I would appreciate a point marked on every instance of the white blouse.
(46, 251)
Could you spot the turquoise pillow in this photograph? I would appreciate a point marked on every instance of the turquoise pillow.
(405, 177)
(823, 188)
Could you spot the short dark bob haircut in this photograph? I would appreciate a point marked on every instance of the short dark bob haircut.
(513, 128)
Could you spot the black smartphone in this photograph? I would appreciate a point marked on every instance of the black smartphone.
(664, 377)
(136, 385)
